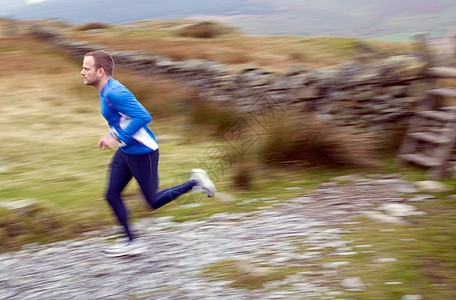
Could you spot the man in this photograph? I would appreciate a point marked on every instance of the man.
(137, 155)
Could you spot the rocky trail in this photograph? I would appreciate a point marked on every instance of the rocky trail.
(274, 236)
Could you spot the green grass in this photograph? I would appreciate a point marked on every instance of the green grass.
(422, 258)
(423, 251)
(245, 275)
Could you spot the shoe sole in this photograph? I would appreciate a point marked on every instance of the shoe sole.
(123, 254)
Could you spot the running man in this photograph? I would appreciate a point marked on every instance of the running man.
(137, 155)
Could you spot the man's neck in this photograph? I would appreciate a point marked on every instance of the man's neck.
(102, 83)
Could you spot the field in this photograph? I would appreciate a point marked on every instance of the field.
(271, 52)
(51, 125)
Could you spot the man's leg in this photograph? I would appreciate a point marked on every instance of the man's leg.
(119, 177)
(145, 170)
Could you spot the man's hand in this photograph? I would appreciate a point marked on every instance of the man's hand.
(107, 142)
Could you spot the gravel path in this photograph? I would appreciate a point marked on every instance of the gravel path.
(178, 252)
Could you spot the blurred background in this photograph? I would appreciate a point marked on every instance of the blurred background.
(52, 175)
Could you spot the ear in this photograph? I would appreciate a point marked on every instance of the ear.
(100, 72)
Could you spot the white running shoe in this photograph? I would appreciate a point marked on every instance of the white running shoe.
(204, 184)
(129, 248)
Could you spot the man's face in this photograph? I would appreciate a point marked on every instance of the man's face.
(89, 71)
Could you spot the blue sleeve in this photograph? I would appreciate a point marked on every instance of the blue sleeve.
(122, 100)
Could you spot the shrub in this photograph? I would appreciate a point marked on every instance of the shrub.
(297, 56)
(30, 224)
(161, 97)
(243, 176)
(204, 30)
(92, 26)
(211, 115)
(306, 141)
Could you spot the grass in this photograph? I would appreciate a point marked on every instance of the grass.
(51, 124)
(423, 255)
(418, 258)
(315, 143)
(205, 30)
(272, 52)
(246, 275)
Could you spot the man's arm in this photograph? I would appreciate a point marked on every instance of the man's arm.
(125, 102)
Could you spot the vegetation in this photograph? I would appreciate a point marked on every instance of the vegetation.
(272, 52)
(92, 26)
(51, 124)
(204, 30)
(313, 143)
(423, 257)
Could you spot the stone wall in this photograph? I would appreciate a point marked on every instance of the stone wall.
(373, 95)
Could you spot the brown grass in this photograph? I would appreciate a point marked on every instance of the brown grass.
(275, 53)
(230, 50)
(201, 30)
(92, 26)
(15, 57)
(164, 98)
(210, 116)
(304, 141)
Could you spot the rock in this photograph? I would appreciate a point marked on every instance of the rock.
(225, 197)
(393, 283)
(249, 67)
(297, 69)
(401, 186)
(452, 197)
(26, 206)
(384, 260)
(325, 185)
(412, 297)
(431, 186)
(403, 67)
(420, 198)
(336, 264)
(308, 93)
(400, 210)
(293, 188)
(100, 270)
(352, 283)
(348, 178)
(378, 216)
(246, 266)
(190, 205)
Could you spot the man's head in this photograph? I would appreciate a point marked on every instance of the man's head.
(97, 67)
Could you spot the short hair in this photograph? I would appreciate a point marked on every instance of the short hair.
(102, 60)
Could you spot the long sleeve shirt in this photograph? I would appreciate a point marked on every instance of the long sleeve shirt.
(127, 119)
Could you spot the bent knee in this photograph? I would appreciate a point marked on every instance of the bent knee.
(111, 196)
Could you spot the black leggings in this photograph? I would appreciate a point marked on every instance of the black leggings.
(144, 168)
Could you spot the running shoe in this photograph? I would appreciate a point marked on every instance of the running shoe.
(203, 183)
(130, 248)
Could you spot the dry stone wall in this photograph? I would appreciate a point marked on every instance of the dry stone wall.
(373, 96)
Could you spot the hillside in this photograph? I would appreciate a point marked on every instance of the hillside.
(276, 53)
(271, 231)
(390, 20)
(294, 232)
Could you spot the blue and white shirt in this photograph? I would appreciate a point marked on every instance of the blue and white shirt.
(127, 119)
